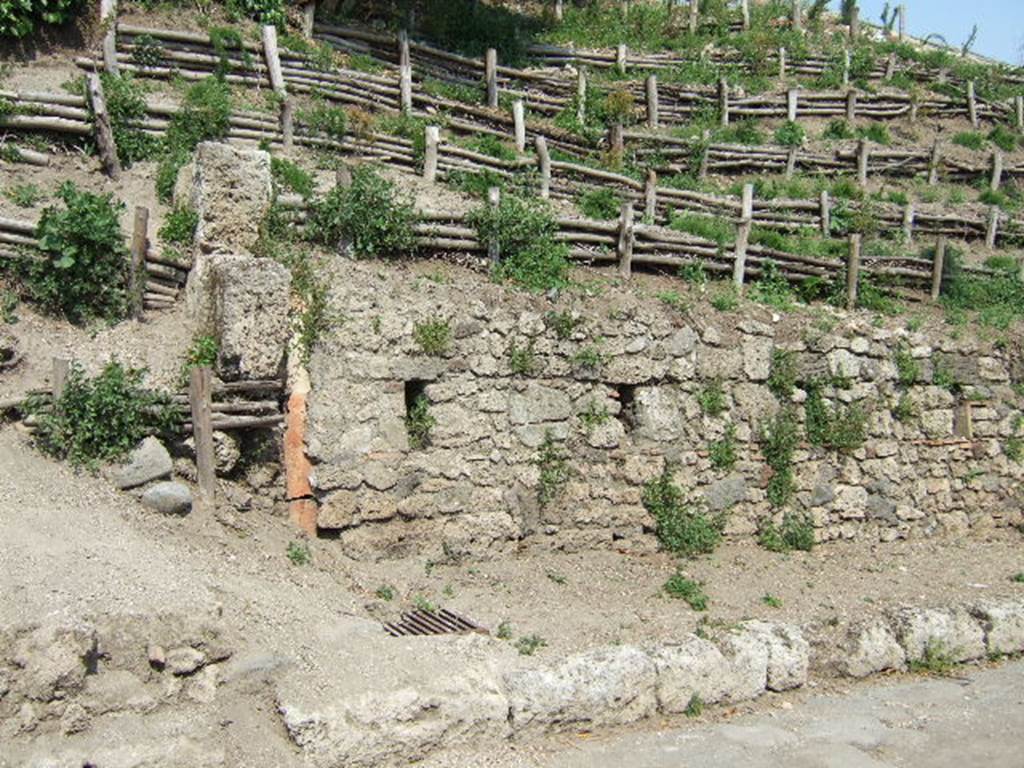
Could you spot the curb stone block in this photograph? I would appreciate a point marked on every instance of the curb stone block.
(789, 654)
(954, 630)
(694, 666)
(870, 649)
(746, 654)
(608, 686)
(1003, 624)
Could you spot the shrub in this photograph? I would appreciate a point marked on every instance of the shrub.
(85, 274)
(681, 528)
(263, 11)
(291, 176)
(771, 600)
(779, 439)
(126, 106)
(600, 203)
(907, 369)
(790, 134)
(100, 419)
(370, 214)
(772, 288)
(682, 588)
(1004, 138)
(720, 231)
(841, 428)
(553, 468)
(530, 644)
(203, 116)
(564, 324)
(783, 374)
(434, 336)
(24, 195)
(905, 409)
(202, 353)
(522, 360)
(725, 301)
(796, 532)
(19, 18)
(722, 453)
(969, 139)
(936, 660)
(695, 706)
(179, 227)
(298, 553)
(419, 422)
(524, 231)
(491, 145)
(326, 119)
(589, 358)
(838, 129)
(876, 132)
(711, 398)
(593, 416)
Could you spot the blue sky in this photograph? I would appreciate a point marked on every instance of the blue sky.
(1000, 23)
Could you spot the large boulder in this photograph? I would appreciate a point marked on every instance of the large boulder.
(149, 461)
(168, 498)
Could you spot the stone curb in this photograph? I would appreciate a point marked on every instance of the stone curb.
(617, 685)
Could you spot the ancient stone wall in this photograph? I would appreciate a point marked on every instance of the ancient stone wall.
(619, 392)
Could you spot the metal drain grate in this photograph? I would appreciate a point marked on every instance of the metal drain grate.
(440, 622)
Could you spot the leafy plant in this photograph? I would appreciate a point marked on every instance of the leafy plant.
(935, 660)
(969, 139)
(783, 374)
(771, 601)
(711, 398)
(419, 422)
(1004, 138)
(790, 134)
(19, 18)
(423, 604)
(838, 129)
(290, 175)
(695, 706)
(298, 553)
(682, 588)
(264, 11)
(433, 336)
(796, 532)
(203, 116)
(522, 360)
(564, 324)
(530, 644)
(905, 409)
(325, 119)
(772, 288)
(99, 419)
(369, 214)
(722, 453)
(554, 470)
(593, 416)
(599, 203)
(841, 428)
(85, 273)
(725, 301)
(504, 631)
(589, 359)
(24, 195)
(202, 353)
(179, 227)
(907, 369)
(385, 592)
(126, 105)
(779, 439)
(680, 527)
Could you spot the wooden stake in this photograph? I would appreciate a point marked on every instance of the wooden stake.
(404, 59)
(491, 76)
(739, 264)
(405, 89)
(992, 230)
(723, 101)
(581, 95)
(343, 176)
(616, 138)
(852, 272)
(792, 100)
(902, 11)
(890, 66)
(1019, 104)
(798, 15)
(933, 163)
(826, 213)
(137, 266)
(308, 18)
(651, 196)
(791, 162)
(519, 125)
(854, 23)
(652, 101)
(782, 63)
(703, 173)
(104, 131)
(433, 138)
(626, 239)
(621, 58)
(846, 68)
(694, 16)
(544, 161)
(937, 266)
(851, 105)
(493, 246)
(559, 10)
(972, 104)
(997, 171)
(745, 13)
(108, 18)
(59, 377)
(288, 122)
(273, 58)
(199, 392)
(908, 223)
(863, 155)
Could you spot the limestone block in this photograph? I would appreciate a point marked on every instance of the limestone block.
(693, 667)
(1003, 624)
(871, 648)
(951, 631)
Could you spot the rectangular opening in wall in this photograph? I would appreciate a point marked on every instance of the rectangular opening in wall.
(418, 420)
(627, 411)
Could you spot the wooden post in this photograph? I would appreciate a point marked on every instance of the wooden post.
(992, 230)
(739, 264)
(343, 176)
(616, 139)
(846, 68)
(288, 122)
(544, 161)
(704, 159)
(308, 17)
(108, 19)
(798, 15)
(937, 266)
(997, 171)
(621, 58)
(491, 76)
(104, 130)
(405, 88)
(863, 155)
(273, 58)
(972, 104)
(581, 95)
(933, 163)
(404, 58)
(854, 23)
(852, 272)
(519, 125)
(723, 101)
(902, 11)
(908, 222)
(1019, 104)
(651, 196)
(694, 16)
(792, 99)
(59, 377)
(790, 162)
(137, 266)
(200, 388)
(782, 63)
(826, 213)
(890, 66)
(493, 246)
(745, 13)
(652, 101)
(851, 105)
(433, 138)
(559, 10)
(626, 239)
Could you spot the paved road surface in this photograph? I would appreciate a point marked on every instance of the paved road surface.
(975, 722)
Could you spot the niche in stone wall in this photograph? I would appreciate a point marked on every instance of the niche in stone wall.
(418, 420)
(627, 402)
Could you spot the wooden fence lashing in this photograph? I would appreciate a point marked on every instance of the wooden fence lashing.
(491, 77)
(108, 21)
(938, 264)
(627, 240)
(743, 238)
(104, 130)
(200, 391)
(136, 270)
(852, 272)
